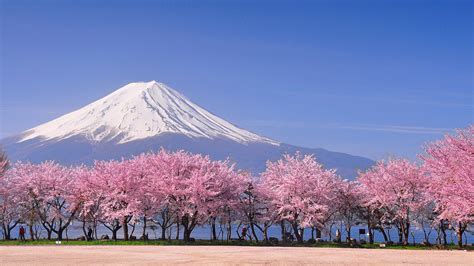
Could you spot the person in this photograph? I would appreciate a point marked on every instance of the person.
(22, 233)
(244, 233)
(89, 233)
(338, 236)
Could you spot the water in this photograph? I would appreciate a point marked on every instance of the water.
(75, 230)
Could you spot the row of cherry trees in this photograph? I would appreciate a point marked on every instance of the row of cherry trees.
(183, 190)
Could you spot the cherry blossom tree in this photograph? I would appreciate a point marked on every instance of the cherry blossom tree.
(301, 189)
(46, 191)
(88, 198)
(9, 212)
(119, 188)
(147, 197)
(199, 187)
(9, 215)
(250, 206)
(228, 185)
(25, 201)
(189, 190)
(373, 215)
(187, 193)
(398, 188)
(159, 168)
(195, 189)
(348, 204)
(426, 220)
(255, 207)
(56, 190)
(450, 164)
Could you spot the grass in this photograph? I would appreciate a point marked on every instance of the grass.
(215, 243)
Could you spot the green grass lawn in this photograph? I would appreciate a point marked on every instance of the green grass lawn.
(214, 243)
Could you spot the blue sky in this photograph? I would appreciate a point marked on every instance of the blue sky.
(372, 78)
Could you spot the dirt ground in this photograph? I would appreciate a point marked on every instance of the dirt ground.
(219, 255)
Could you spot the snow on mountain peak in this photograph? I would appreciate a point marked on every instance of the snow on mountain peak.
(141, 110)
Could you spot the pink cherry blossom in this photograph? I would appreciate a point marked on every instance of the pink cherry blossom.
(300, 190)
(347, 203)
(398, 188)
(450, 164)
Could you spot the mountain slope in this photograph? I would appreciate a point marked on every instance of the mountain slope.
(141, 117)
(138, 111)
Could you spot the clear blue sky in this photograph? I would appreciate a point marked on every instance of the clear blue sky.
(372, 78)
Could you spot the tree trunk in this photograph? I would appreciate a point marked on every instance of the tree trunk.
(460, 231)
(385, 237)
(177, 227)
(369, 228)
(348, 231)
(133, 230)
(252, 226)
(213, 229)
(330, 232)
(283, 231)
(125, 229)
(371, 235)
(84, 230)
(60, 233)
(177, 231)
(144, 229)
(114, 234)
(406, 231)
(185, 223)
(62, 226)
(265, 233)
(114, 227)
(296, 232)
(32, 233)
(163, 232)
(400, 235)
(6, 233)
(318, 233)
(95, 230)
(229, 231)
(186, 234)
(443, 232)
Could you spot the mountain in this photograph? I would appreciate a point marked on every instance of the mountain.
(145, 116)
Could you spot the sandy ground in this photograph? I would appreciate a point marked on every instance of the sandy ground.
(219, 255)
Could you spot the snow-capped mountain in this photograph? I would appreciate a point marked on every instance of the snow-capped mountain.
(138, 111)
(145, 116)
